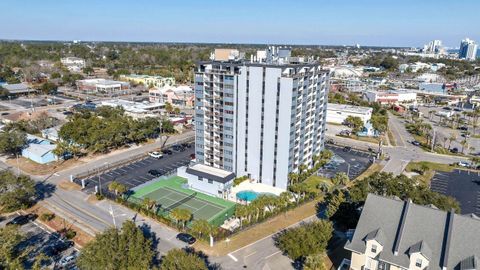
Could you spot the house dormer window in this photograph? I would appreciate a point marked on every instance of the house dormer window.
(418, 263)
(374, 248)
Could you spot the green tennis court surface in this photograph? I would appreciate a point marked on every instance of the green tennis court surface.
(169, 194)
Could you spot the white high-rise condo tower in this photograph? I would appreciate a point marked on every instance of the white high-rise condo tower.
(468, 50)
(263, 117)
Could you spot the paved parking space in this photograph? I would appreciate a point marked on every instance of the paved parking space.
(136, 173)
(36, 239)
(462, 185)
(352, 162)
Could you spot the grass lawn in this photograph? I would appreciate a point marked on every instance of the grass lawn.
(31, 167)
(314, 181)
(363, 139)
(432, 167)
(259, 231)
(391, 138)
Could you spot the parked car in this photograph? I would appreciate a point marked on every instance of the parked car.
(65, 261)
(167, 152)
(67, 113)
(178, 148)
(155, 173)
(466, 135)
(416, 143)
(57, 247)
(458, 109)
(192, 156)
(187, 238)
(447, 108)
(187, 145)
(463, 128)
(463, 164)
(347, 148)
(454, 150)
(21, 220)
(156, 155)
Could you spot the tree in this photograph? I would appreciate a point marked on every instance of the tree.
(167, 126)
(177, 110)
(10, 238)
(117, 187)
(202, 228)
(88, 70)
(125, 248)
(451, 139)
(340, 178)
(314, 238)
(179, 259)
(12, 142)
(314, 262)
(168, 107)
(181, 215)
(49, 88)
(149, 203)
(386, 184)
(354, 122)
(334, 200)
(15, 192)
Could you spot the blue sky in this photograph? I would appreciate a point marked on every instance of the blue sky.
(324, 22)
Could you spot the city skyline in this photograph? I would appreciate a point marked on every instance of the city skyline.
(369, 23)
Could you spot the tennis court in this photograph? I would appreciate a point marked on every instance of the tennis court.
(171, 194)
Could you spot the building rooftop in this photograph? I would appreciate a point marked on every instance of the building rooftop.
(447, 239)
(349, 108)
(212, 173)
(18, 88)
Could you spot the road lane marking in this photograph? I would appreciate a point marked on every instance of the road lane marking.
(232, 257)
(273, 254)
(249, 254)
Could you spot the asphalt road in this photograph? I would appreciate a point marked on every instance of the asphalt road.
(136, 173)
(462, 185)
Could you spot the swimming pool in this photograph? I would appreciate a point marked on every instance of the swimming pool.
(250, 195)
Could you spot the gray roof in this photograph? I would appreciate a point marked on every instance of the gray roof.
(215, 174)
(415, 228)
(18, 88)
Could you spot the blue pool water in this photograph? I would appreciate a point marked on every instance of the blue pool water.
(249, 195)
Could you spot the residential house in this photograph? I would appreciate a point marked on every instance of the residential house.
(39, 150)
(395, 235)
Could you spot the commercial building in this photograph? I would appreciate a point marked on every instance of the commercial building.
(434, 46)
(337, 113)
(149, 81)
(135, 109)
(391, 97)
(102, 86)
(468, 50)
(396, 235)
(18, 89)
(262, 118)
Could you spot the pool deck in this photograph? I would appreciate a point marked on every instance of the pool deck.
(252, 186)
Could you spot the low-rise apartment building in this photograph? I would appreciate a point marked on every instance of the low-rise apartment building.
(396, 235)
(182, 96)
(74, 64)
(147, 80)
(337, 113)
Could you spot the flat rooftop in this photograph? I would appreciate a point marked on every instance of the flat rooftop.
(349, 108)
(216, 174)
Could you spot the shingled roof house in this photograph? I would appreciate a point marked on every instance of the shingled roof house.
(393, 234)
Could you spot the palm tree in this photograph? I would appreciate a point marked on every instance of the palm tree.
(117, 187)
(464, 143)
(452, 138)
(241, 212)
(181, 215)
(148, 203)
(201, 227)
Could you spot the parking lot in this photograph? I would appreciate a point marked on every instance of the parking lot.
(462, 185)
(137, 173)
(352, 162)
(37, 239)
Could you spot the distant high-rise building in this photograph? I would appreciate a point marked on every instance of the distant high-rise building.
(263, 117)
(434, 46)
(468, 50)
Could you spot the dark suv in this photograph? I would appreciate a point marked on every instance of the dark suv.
(187, 238)
(155, 173)
(21, 220)
(57, 247)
